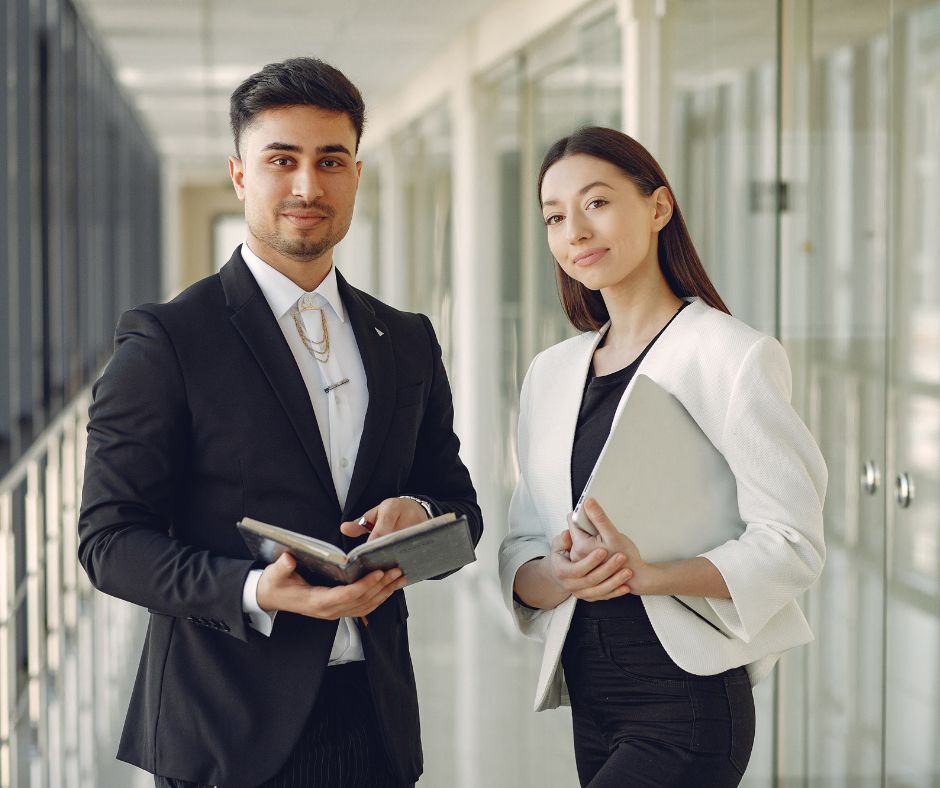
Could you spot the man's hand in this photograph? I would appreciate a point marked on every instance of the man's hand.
(592, 578)
(393, 514)
(281, 588)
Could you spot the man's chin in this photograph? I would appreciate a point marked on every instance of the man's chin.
(304, 252)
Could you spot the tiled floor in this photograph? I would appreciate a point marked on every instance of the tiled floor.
(476, 682)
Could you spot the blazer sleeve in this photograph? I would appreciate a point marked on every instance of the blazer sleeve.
(526, 539)
(438, 475)
(781, 483)
(138, 436)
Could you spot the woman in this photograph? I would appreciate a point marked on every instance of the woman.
(658, 697)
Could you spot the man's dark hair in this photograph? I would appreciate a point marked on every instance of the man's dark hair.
(299, 80)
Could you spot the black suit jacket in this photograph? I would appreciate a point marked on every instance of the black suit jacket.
(202, 417)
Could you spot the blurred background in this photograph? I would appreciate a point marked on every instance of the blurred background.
(802, 139)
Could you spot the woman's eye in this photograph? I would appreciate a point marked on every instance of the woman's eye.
(597, 202)
(553, 219)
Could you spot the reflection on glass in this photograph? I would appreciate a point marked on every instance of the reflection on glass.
(913, 615)
(426, 150)
(845, 207)
(719, 152)
(584, 89)
(722, 77)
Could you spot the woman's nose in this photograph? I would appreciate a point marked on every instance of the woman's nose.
(578, 228)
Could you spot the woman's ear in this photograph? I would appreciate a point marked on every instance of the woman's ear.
(662, 202)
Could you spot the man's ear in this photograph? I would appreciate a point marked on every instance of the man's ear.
(236, 169)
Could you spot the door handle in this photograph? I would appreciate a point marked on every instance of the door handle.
(871, 477)
(904, 490)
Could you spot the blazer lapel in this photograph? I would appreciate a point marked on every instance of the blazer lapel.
(253, 319)
(378, 360)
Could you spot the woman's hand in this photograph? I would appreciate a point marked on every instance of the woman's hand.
(607, 538)
(593, 577)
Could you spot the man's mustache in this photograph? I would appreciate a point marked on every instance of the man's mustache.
(300, 205)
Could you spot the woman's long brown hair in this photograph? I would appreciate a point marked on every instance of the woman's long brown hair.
(678, 260)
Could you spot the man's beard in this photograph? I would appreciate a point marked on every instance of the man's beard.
(300, 249)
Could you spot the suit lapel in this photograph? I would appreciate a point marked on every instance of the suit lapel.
(378, 360)
(253, 319)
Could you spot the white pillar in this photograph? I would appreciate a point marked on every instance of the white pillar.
(393, 268)
(475, 369)
(643, 112)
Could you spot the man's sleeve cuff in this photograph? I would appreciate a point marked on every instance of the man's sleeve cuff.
(260, 620)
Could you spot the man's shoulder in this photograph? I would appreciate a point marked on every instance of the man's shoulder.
(386, 312)
(197, 299)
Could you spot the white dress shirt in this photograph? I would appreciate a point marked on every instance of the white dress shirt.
(340, 412)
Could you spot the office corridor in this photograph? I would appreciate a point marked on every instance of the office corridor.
(802, 140)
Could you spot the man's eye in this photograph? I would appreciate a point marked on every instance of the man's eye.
(330, 163)
(282, 161)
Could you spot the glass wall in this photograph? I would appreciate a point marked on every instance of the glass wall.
(79, 215)
(912, 658)
(425, 153)
(570, 78)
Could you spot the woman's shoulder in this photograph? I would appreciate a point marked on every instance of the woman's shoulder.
(561, 354)
(718, 335)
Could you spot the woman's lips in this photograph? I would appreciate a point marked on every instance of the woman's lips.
(589, 256)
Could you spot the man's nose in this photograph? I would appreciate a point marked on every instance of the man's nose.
(306, 184)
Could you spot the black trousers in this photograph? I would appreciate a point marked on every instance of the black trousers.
(341, 745)
(639, 719)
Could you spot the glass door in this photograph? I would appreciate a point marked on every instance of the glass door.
(834, 269)
(912, 669)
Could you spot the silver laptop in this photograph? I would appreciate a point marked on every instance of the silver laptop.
(663, 483)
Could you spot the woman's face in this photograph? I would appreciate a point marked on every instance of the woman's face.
(601, 229)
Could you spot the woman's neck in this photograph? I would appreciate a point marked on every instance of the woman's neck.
(638, 311)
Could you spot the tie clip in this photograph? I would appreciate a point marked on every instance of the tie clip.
(332, 386)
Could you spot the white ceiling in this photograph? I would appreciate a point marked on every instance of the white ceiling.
(179, 60)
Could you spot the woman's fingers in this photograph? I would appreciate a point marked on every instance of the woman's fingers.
(615, 585)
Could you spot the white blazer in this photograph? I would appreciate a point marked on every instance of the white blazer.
(735, 382)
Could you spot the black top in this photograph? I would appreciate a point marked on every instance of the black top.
(602, 395)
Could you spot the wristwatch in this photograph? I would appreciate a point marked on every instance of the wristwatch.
(424, 504)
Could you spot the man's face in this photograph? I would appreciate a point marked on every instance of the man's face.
(297, 176)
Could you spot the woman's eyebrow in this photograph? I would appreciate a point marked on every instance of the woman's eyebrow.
(581, 191)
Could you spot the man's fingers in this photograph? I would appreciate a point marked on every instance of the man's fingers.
(363, 525)
(386, 519)
(355, 528)
(284, 566)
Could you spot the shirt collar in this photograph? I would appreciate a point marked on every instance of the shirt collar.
(281, 293)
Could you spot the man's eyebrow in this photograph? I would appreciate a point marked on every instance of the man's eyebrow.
(584, 190)
(288, 147)
(334, 149)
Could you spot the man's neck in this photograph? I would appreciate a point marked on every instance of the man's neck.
(306, 274)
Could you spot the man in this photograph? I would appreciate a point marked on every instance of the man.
(274, 390)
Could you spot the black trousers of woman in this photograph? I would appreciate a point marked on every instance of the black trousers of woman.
(639, 719)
